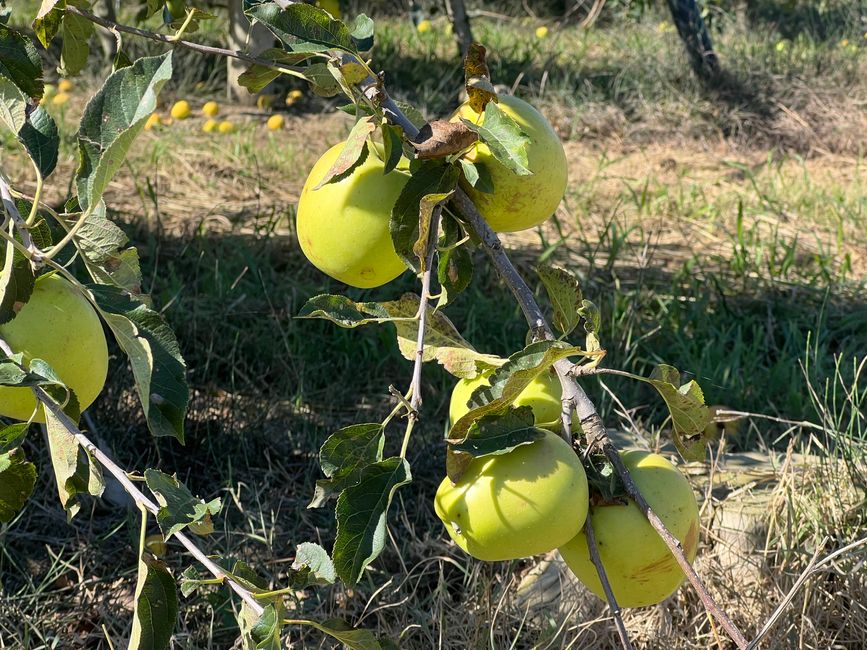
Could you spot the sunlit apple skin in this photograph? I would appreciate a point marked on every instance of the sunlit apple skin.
(520, 202)
(641, 569)
(544, 395)
(523, 503)
(60, 326)
(343, 226)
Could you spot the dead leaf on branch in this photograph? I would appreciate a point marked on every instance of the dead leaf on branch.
(439, 139)
(478, 78)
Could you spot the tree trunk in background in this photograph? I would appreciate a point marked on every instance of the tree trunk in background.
(244, 39)
(460, 24)
(693, 32)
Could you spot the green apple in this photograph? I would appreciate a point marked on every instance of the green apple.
(59, 326)
(519, 202)
(519, 504)
(641, 569)
(343, 226)
(543, 395)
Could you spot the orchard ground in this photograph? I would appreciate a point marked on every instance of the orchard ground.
(721, 231)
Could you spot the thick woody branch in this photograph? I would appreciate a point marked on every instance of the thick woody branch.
(606, 585)
(137, 495)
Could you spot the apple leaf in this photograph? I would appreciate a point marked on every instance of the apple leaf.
(112, 119)
(312, 567)
(20, 62)
(16, 283)
(426, 208)
(156, 606)
(496, 434)
(12, 436)
(455, 263)
(477, 175)
(361, 516)
(345, 312)
(265, 632)
(564, 292)
(392, 139)
(75, 470)
(592, 321)
(108, 260)
(428, 178)
(351, 637)
(157, 364)
(344, 456)
(39, 136)
(362, 32)
(178, 507)
(303, 27)
(13, 105)
(353, 154)
(508, 144)
(689, 415)
(509, 380)
(477, 78)
(13, 372)
(17, 478)
(257, 76)
(47, 22)
(77, 31)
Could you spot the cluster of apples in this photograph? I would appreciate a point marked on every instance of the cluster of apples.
(535, 499)
(343, 226)
(181, 110)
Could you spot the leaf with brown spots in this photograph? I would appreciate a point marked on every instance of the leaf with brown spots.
(439, 139)
(477, 78)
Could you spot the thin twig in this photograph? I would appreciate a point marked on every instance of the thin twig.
(168, 40)
(136, 494)
(423, 308)
(591, 423)
(606, 586)
(18, 221)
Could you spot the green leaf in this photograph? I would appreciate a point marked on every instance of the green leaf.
(75, 470)
(592, 322)
(111, 121)
(564, 292)
(12, 436)
(477, 175)
(351, 637)
(103, 245)
(509, 380)
(266, 631)
(344, 312)
(20, 62)
(304, 28)
(497, 434)
(178, 507)
(343, 457)
(77, 31)
(13, 105)
(312, 567)
(17, 478)
(426, 208)
(47, 22)
(418, 120)
(39, 136)
(322, 79)
(16, 283)
(362, 33)
(508, 144)
(361, 517)
(257, 76)
(455, 264)
(156, 606)
(157, 364)
(392, 138)
(689, 415)
(353, 153)
(428, 178)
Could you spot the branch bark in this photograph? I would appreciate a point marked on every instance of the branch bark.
(606, 586)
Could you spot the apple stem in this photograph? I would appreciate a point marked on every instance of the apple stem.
(606, 586)
(592, 426)
(137, 495)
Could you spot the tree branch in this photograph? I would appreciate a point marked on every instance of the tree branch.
(18, 222)
(137, 495)
(168, 40)
(606, 586)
